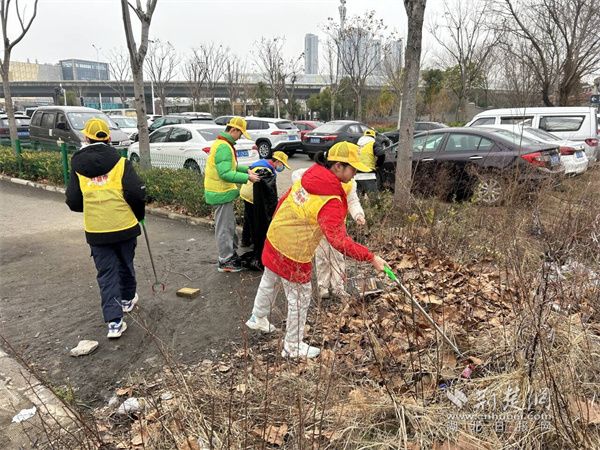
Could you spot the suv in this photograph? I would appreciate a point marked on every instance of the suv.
(22, 127)
(273, 134)
(175, 120)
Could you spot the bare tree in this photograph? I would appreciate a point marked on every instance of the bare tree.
(194, 73)
(269, 54)
(468, 39)
(137, 55)
(332, 66)
(162, 68)
(24, 26)
(393, 65)
(293, 71)
(563, 43)
(213, 57)
(360, 44)
(235, 72)
(120, 69)
(415, 10)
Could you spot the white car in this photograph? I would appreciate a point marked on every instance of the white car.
(187, 146)
(273, 134)
(572, 153)
(127, 124)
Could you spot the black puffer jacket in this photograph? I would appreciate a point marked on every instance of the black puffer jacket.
(99, 159)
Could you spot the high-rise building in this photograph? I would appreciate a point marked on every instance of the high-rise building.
(311, 54)
(79, 69)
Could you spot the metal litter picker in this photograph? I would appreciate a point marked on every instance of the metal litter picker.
(157, 286)
(392, 276)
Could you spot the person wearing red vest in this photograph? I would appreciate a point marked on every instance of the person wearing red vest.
(313, 208)
(111, 196)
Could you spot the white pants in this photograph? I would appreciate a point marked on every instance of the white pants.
(298, 298)
(331, 268)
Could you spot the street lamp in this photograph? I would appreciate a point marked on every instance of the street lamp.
(98, 71)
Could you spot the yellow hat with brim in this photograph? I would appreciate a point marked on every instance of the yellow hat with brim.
(240, 124)
(280, 156)
(347, 152)
(96, 129)
(370, 132)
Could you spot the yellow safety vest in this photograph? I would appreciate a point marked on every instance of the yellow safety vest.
(367, 156)
(212, 180)
(247, 190)
(295, 230)
(104, 207)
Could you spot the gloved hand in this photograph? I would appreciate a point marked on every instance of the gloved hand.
(142, 222)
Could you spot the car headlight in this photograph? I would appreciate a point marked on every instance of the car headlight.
(125, 143)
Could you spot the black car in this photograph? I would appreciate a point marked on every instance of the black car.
(322, 138)
(419, 128)
(460, 163)
(22, 127)
(223, 120)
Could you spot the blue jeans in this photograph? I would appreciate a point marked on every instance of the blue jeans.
(116, 276)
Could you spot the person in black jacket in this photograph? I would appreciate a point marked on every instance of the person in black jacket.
(105, 187)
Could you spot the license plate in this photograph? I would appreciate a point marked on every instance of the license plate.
(23, 133)
(314, 140)
(555, 159)
(242, 153)
(293, 137)
(578, 155)
(365, 176)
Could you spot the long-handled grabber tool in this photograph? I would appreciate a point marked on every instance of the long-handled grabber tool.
(392, 276)
(157, 286)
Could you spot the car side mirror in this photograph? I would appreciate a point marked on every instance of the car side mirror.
(62, 126)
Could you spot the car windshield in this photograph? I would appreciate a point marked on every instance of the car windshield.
(209, 134)
(126, 122)
(78, 119)
(329, 127)
(542, 134)
(19, 121)
(285, 125)
(515, 138)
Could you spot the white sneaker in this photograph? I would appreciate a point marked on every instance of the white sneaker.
(260, 323)
(300, 350)
(116, 329)
(128, 305)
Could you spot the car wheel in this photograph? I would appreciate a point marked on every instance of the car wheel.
(190, 164)
(312, 156)
(264, 149)
(134, 158)
(489, 190)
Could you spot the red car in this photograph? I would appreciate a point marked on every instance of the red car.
(305, 126)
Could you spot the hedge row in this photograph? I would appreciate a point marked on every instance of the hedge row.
(182, 189)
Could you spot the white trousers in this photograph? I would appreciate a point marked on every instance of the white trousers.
(331, 268)
(298, 298)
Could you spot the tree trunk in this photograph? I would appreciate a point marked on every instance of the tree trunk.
(140, 109)
(415, 10)
(332, 105)
(8, 104)
(163, 104)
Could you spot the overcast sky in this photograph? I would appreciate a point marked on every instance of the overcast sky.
(68, 28)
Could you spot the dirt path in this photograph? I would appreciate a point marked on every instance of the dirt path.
(49, 298)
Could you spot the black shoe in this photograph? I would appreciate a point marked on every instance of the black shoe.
(233, 264)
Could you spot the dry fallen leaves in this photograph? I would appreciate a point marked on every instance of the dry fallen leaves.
(273, 434)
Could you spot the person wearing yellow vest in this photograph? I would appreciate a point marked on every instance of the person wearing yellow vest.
(222, 179)
(329, 263)
(313, 208)
(106, 189)
(257, 219)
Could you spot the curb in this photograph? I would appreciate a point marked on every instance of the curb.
(160, 212)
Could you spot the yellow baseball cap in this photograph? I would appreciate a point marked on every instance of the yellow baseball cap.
(347, 152)
(280, 156)
(96, 129)
(240, 124)
(369, 132)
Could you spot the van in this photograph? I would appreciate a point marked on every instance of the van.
(52, 123)
(573, 123)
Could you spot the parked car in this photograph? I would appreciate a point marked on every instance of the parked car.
(575, 123)
(174, 119)
(22, 127)
(51, 123)
(186, 146)
(29, 111)
(419, 127)
(150, 118)
(198, 115)
(126, 124)
(475, 162)
(572, 154)
(306, 125)
(273, 134)
(223, 120)
(322, 138)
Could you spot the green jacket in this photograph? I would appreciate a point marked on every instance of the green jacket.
(228, 170)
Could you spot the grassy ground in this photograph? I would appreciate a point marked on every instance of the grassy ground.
(516, 287)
